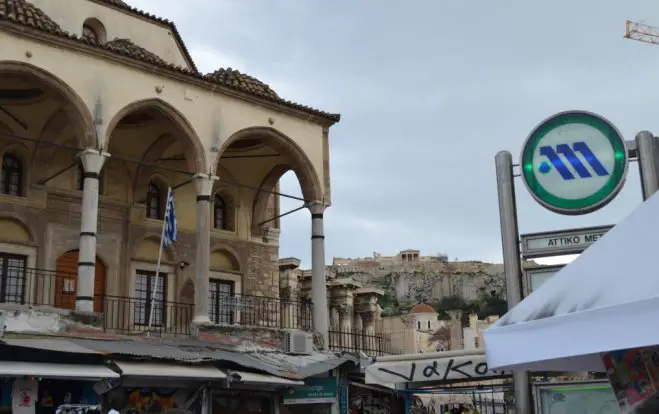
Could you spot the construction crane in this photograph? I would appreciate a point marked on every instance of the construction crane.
(642, 32)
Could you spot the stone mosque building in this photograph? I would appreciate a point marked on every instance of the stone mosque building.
(102, 109)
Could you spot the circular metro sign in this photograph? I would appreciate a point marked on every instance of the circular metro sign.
(574, 162)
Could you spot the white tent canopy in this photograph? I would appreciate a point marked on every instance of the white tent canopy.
(607, 299)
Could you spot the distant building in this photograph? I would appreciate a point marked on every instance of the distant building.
(410, 276)
(473, 334)
(415, 331)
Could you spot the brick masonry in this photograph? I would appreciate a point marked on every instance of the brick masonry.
(56, 230)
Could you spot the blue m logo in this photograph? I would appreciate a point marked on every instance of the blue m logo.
(554, 157)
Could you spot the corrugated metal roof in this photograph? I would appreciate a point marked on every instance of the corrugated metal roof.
(140, 349)
(60, 345)
(274, 363)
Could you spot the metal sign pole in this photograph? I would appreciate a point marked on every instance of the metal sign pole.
(648, 163)
(511, 261)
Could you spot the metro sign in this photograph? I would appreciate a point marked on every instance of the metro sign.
(574, 162)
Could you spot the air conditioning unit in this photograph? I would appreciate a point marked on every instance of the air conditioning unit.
(298, 343)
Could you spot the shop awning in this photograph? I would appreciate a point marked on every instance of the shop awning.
(169, 371)
(607, 299)
(61, 371)
(430, 367)
(264, 379)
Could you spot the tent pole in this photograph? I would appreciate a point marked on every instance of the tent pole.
(512, 262)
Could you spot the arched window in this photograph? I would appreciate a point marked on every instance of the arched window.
(81, 180)
(154, 202)
(11, 182)
(220, 213)
(93, 31)
(418, 324)
(89, 34)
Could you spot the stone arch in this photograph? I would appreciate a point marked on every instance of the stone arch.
(262, 198)
(11, 126)
(144, 247)
(222, 251)
(145, 173)
(98, 28)
(73, 245)
(159, 180)
(230, 206)
(76, 108)
(51, 130)
(194, 152)
(16, 221)
(299, 162)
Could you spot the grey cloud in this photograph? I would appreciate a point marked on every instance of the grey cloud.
(429, 92)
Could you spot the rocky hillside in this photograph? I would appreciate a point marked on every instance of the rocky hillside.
(431, 282)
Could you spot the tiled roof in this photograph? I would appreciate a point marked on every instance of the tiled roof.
(130, 49)
(141, 13)
(423, 308)
(242, 81)
(23, 13)
(119, 3)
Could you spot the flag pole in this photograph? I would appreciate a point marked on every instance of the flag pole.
(162, 245)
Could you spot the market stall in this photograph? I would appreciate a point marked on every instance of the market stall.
(607, 299)
(597, 314)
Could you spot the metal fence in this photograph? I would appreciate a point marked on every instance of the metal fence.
(488, 406)
(28, 286)
(38, 287)
(122, 315)
(483, 404)
(376, 344)
(261, 311)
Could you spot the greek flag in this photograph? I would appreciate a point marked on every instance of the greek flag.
(170, 232)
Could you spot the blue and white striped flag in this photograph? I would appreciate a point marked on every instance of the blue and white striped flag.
(170, 232)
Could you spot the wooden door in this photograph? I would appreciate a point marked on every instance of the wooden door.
(65, 282)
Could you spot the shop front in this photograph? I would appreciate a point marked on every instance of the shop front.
(364, 399)
(595, 315)
(316, 396)
(48, 388)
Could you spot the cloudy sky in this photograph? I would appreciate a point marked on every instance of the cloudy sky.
(429, 91)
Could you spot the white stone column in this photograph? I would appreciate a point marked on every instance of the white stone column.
(204, 185)
(92, 162)
(318, 281)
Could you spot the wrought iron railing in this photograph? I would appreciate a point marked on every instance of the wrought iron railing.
(39, 287)
(372, 344)
(122, 315)
(28, 286)
(247, 310)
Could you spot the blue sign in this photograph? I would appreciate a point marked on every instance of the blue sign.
(574, 162)
(569, 154)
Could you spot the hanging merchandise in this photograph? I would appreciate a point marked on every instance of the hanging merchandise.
(78, 409)
(24, 396)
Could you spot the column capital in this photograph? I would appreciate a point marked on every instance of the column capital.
(93, 159)
(204, 183)
(316, 207)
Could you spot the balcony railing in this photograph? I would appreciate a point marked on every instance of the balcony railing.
(123, 315)
(126, 315)
(247, 310)
(376, 344)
